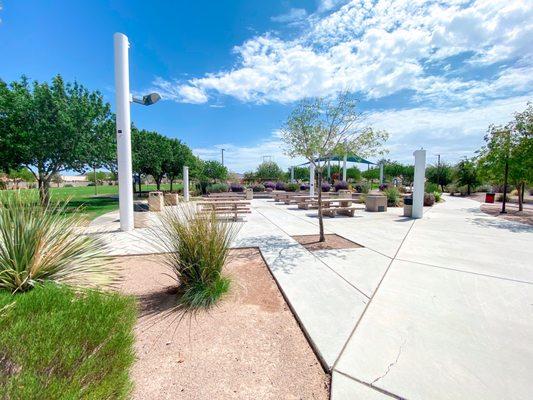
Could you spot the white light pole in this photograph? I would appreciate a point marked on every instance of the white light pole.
(311, 180)
(418, 183)
(292, 174)
(381, 173)
(123, 126)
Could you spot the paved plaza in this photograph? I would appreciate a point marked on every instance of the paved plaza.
(437, 308)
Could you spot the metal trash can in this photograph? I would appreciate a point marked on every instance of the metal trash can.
(489, 197)
(408, 207)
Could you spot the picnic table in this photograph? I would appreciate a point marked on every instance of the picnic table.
(226, 207)
(330, 207)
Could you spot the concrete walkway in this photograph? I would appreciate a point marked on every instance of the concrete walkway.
(438, 308)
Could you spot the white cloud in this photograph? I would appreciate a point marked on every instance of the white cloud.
(294, 15)
(453, 133)
(377, 49)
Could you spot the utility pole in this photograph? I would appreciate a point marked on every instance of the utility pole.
(222, 151)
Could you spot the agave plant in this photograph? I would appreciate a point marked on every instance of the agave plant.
(196, 248)
(39, 244)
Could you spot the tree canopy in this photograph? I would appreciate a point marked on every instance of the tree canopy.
(269, 171)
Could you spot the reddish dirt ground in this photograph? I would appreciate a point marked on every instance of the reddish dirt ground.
(248, 347)
(333, 242)
(525, 216)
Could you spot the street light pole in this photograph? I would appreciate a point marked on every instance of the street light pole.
(222, 151)
(123, 127)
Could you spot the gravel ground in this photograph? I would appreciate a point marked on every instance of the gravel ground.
(248, 347)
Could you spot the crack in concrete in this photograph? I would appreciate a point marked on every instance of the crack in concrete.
(392, 364)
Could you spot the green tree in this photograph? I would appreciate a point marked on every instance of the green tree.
(441, 175)
(214, 170)
(321, 128)
(21, 175)
(466, 174)
(180, 155)
(45, 127)
(98, 177)
(151, 152)
(269, 171)
(371, 174)
(508, 154)
(101, 149)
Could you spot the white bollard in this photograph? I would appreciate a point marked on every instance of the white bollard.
(344, 167)
(418, 183)
(123, 126)
(186, 183)
(311, 180)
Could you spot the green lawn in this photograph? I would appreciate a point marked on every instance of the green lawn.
(91, 206)
(59, 344)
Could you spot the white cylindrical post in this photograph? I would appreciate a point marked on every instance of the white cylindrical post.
(186, 183)
(329, 169)
(292, 174)
(419, 182)
(380, 173)
(344, 167)
(311, 180)
(123, 127)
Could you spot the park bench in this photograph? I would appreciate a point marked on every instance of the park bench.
(232, 208)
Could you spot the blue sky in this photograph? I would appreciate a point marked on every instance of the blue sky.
(434, 74)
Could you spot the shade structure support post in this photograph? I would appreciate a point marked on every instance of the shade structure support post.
(123, 130)
(292, 174)
(344, 161)
(185, 183)
(381, 173)
(418, 183)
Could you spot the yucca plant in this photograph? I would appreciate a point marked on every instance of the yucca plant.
(42, 243)
(196, 248)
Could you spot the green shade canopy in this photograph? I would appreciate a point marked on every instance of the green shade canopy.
(351, 158)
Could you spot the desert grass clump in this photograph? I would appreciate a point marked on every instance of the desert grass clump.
(42, 243)
(196, 248)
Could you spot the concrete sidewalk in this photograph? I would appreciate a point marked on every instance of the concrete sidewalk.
(438, 308)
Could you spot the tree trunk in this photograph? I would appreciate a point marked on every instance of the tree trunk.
(158, 183)
(44, 190)
(171, 180)
(320, 218)
(519, 187)
(506, 174)
(523, 191)
(140, 188)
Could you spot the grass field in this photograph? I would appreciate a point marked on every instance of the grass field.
(59, 344)
(83, 199)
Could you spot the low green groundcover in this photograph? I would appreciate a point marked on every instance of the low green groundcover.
(59, 344)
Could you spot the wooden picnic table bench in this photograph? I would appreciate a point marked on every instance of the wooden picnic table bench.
(228, 207)
(308, 203)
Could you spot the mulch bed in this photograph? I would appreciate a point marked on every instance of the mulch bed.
(248, 347)
(333, 242)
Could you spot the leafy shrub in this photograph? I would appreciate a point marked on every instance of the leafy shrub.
(383, 186)
(393, 197)
(69, 185)
(217, 188)
(326, 187)
(292, 187)
(484, 189)
(280, 186)
(258, 188)
(197, 264)
(362, 188)
(89, 184)
(341, 185)
(429, 199)
(66, 344)
(438, 196)
(270, 185)
(304, 186)
(431, 187)
(236, 187)
(40, 244)
(514, 193)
